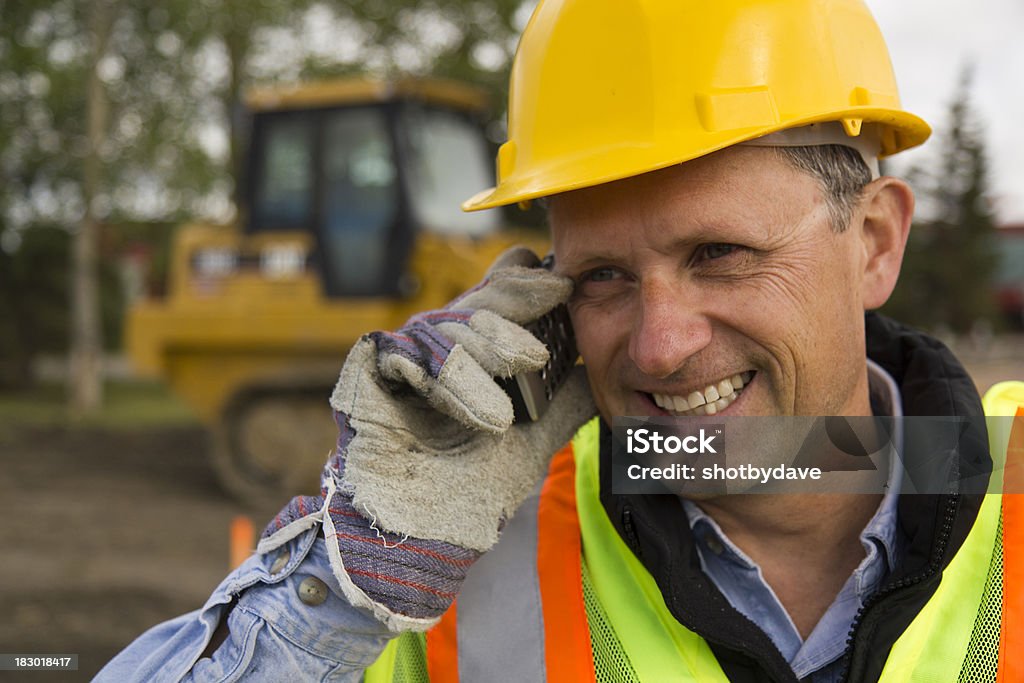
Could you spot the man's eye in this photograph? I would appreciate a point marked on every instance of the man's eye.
(714, 251)
(600, 275)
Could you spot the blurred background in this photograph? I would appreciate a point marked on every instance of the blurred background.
(203, 203)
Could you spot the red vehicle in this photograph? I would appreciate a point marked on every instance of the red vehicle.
(1009, 278)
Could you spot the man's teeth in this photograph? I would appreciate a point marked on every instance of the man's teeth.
(714, 398)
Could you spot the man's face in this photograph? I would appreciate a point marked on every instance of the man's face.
(715, 273)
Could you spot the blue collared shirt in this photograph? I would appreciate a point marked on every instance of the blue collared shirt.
(742, 583)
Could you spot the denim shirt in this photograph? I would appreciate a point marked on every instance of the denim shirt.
(740, 579)
(273, 634)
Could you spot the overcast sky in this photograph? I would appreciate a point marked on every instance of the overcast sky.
(930, 41)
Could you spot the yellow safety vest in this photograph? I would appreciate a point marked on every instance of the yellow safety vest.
(563, 599)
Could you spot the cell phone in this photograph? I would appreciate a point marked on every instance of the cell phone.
(532, 392)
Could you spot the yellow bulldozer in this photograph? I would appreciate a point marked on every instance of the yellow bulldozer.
(349, 222)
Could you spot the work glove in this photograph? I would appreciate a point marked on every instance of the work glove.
(429, 465)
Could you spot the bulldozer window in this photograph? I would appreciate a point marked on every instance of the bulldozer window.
(449, 160)
(360, 198)
(285, 179)
(332, 172)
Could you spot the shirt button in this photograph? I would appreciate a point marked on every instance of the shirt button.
(714, 545)
(280, 561)
(312, 591)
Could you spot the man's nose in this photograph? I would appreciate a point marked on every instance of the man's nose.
(668, 330)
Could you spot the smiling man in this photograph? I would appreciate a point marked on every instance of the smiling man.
(734, 266)
(720, 231)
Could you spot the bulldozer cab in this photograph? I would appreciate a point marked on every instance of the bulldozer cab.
(349, 221)
(365, 169)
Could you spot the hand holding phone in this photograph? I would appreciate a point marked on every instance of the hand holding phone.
(423, 416)
(532, 392)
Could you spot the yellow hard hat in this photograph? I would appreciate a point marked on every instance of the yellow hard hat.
(608, 89)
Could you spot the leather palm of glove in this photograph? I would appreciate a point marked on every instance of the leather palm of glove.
(428, 465)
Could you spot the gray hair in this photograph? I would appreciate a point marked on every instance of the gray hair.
(839, 170)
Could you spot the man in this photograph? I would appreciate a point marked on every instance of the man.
(719, 229)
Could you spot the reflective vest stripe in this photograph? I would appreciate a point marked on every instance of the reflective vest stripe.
(442, 648)
(500, 624)
(1011, 668)
(559, 565)
(544, 639)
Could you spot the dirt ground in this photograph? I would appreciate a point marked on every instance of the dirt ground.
(105, 534)
(108, 532)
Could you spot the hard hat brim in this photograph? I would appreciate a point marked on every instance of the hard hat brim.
(900, 131)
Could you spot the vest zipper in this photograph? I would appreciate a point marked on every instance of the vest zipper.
(629, 529)
(935, 565)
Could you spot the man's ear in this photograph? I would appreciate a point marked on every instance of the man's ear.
(887, 208)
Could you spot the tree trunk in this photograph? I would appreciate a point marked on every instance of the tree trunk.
(85, 361)
(236, 32)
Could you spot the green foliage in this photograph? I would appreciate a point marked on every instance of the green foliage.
(174, 73)
(33, 302)
(947, 277)
(153, 160)
(468, 40)
(34, 285)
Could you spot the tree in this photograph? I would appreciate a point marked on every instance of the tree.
(946, 281)
(96, 128)
(86, 352)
